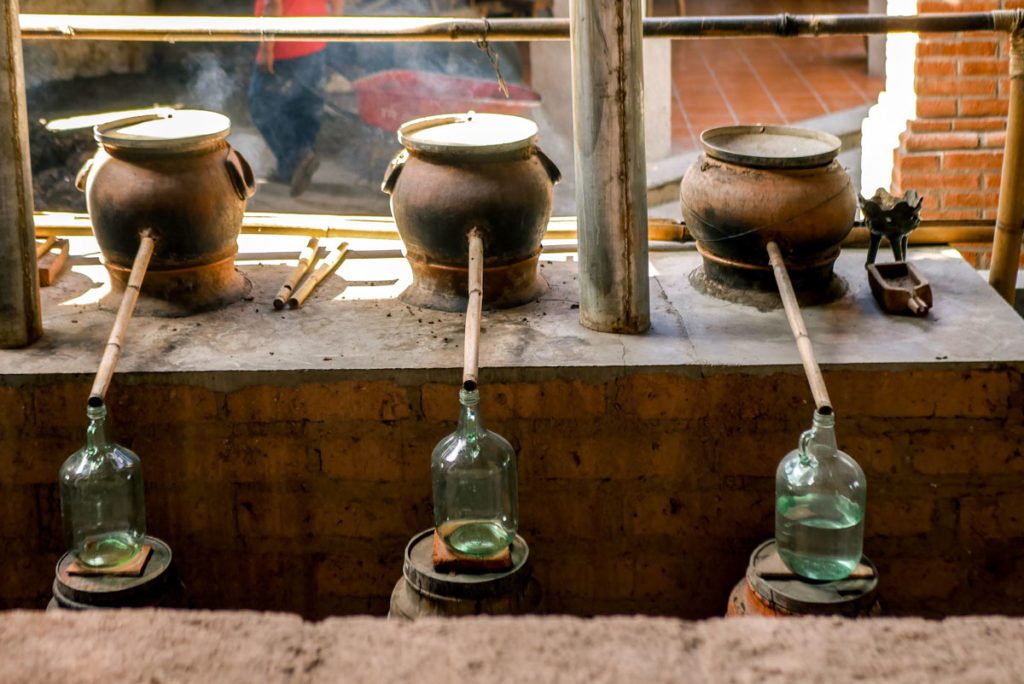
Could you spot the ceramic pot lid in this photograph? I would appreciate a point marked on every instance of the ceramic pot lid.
(770, 147)
(469, 134)
(169, 131)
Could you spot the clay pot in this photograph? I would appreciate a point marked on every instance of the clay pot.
(442, 188)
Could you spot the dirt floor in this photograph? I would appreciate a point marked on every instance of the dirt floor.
(168, 646)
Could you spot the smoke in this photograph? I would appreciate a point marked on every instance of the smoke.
(210, 86)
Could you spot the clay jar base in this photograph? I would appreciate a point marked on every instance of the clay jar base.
(181, 292)
(442, 287)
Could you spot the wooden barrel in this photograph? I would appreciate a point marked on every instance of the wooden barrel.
(423, 592)
(151, 588)
(770, 590)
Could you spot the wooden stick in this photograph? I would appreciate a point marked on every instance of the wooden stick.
(325, 268)
(796, 324)
(474, 310)
(306, 260)
(124, 314)
(45, 246)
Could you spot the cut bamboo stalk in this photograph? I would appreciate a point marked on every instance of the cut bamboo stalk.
(796, 324)
(474, 311)
(306, 260)
(124, 315)
(325, 268)
(45, 246)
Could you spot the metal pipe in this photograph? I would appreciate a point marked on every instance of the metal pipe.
(611, 170)
(446, 29)
(1010, 215)
(20, 317)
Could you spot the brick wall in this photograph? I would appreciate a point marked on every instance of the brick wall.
(952, 151)
(639, 492)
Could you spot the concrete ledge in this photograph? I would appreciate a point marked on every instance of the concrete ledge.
(168, 646)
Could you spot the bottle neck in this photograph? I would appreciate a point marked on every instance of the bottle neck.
(470, 423)
(820, 441)
(96, 434)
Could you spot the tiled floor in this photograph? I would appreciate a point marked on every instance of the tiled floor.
(765, 80)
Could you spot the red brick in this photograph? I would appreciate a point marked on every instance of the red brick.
(927, 87)
(982, 67)
(979, 124)
(898, 517)
(929, 125)
(556, 511)
(992, 181)
(952, 214)
(960, 47)
(943, 452)
(918, 162)
(973, 106)
(984, 519)
(14, 407)
(354, 574)
(972, 160)
(969, 200)
(936, 107)
(658, 396)
(567, 399)
(358, 450)
(944, 6)
(886, 394)
(941, 141)
(994, 139)
(940, 181)
(936, 66)
(349, 399)
(922, 578)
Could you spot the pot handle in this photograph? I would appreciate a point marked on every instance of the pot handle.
(240, 173)
(394, 168)
(553, 172)
(83, 174)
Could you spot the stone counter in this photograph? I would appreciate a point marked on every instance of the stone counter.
(287, 453)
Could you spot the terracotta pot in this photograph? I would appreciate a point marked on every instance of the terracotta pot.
(440, 190)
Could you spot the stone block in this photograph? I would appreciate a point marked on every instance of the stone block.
(662, 396)
(557, 399)
(920, 394)
(898, 516)
(357, 450)
(985, 518)
(358, 572)
(558, 511)
(988, 450)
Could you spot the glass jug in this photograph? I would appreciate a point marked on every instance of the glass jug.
(476, 506)
(820, 495)
(101, 497)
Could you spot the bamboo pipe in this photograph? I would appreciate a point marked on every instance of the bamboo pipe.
(124, 314)
(306, 259)
(173, 29)
(1010, 214)
(325, 268)
(796, 324)
(474, 311)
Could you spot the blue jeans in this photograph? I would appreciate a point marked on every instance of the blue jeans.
(287, 107)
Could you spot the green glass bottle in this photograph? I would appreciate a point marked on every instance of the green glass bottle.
(820, 496)
(476, 504)
(101, 497)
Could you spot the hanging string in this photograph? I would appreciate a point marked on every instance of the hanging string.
(495, 59)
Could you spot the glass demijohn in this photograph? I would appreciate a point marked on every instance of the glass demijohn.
(820, 495)
(101, 497)
(476, 507)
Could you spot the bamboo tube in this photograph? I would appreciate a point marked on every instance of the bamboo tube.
(45, 246)
(171, 29)
(306, 260)
(474, 311)
(325, 268)
(1010, 214)
(124, 314)
(796, 324)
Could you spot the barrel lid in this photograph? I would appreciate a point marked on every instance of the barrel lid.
(470, 134)
(170, 130)
(112, 590)
(776, 585)
(770, 147)
(418, 571)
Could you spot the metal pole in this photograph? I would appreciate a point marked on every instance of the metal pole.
(611, 171)
(170, 29)
(1010, 216)
(20, 318)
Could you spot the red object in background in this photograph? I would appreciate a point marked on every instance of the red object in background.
(390, 98)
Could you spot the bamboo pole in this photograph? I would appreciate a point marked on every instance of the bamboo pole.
(124, 315)
(173, 29)
(474, 311)
(325, 268)
(20, 313)
(306, 260)
(1010, 214)
(796, 324)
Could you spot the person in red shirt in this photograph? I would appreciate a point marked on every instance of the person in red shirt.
(286, 93)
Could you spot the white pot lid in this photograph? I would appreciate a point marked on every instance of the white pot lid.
(170, 130)
(468, 134)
